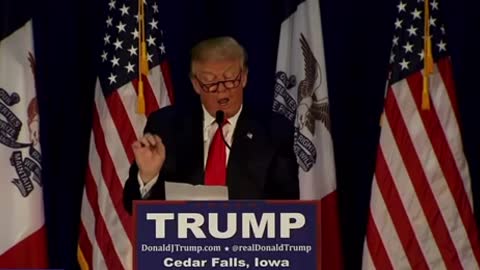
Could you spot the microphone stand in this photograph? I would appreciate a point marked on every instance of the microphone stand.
(219, 118)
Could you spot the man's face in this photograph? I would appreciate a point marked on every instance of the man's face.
(220, 85)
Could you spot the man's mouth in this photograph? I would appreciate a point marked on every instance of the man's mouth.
(223, 101)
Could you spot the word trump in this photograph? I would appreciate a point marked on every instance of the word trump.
(193, 222)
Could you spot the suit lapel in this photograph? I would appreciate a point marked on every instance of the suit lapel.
(238, 153)
(191, 148)
(238, 169)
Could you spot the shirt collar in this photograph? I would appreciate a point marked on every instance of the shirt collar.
(208, 120)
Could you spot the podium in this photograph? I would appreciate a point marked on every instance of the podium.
(227, 235)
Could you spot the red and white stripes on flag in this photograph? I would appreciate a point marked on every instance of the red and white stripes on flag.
(106, 232)
(421, 210)
(421, 213)
(106, 229)
(301, 95)
(22, 226)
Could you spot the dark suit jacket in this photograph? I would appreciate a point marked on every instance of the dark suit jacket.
(261, 164)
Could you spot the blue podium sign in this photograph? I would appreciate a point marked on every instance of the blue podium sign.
(227, 235)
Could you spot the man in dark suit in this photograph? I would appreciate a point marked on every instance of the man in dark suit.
(187, 146)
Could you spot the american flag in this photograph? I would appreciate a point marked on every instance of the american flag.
(106, 233)
(421, 213)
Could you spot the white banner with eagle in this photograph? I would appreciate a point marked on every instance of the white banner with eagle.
(22, 234)
(301, 95)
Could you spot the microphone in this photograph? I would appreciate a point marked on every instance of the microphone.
(219, 118)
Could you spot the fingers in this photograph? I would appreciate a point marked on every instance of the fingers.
(160, 147)
(148, 140)
(151, 139)
(157, 139)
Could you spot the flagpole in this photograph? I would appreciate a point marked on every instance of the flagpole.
(142, 57)
(428, 58)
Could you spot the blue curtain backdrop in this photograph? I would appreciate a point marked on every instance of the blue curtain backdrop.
(68, 34)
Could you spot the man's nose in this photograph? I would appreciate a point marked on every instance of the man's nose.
(221, 87)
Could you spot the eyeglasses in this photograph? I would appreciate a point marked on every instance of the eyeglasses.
(228, 84)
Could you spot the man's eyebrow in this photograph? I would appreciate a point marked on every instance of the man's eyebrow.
(226, 74)
(207, 74)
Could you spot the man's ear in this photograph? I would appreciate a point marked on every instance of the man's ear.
(195, 84)
(245, 78)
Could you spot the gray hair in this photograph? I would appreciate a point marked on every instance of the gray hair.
(219, 48)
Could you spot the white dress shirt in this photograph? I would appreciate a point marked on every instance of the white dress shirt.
(209, 129)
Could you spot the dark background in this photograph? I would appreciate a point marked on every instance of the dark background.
(357, 37)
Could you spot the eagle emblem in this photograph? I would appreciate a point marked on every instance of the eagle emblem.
(25, 157)
(310, 107)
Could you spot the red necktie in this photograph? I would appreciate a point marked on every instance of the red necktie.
(216, 171)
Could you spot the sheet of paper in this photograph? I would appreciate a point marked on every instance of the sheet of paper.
(187, 192)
